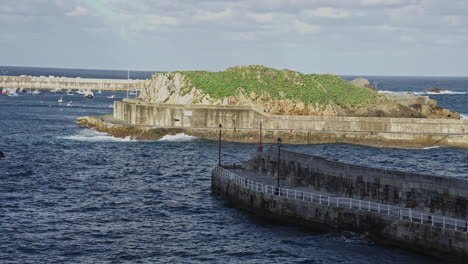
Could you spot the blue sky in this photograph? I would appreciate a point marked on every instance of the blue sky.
(356, 37)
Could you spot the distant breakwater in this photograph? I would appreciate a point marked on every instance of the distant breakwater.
(52, 82)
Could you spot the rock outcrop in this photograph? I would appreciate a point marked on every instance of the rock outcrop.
(361, 82)
(178, 88)
(436, 90)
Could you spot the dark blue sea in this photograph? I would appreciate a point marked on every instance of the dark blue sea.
(72, 195)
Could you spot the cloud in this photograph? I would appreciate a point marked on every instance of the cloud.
(77, 11)
(328, 12)
(262, 17)
(305, 28)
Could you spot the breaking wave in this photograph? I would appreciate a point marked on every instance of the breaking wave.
(421, 92)
(181, 137)
(95, 136)
(464, 116)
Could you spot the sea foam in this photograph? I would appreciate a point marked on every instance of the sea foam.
(95, 136)
(180, 137)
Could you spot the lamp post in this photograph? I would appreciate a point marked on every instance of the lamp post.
(260, 146)
(219, 145)
(279, 156)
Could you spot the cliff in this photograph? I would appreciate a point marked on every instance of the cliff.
(272, 91)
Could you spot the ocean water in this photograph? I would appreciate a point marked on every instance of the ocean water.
(73, 195)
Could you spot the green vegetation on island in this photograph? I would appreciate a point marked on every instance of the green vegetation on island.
(280, 84)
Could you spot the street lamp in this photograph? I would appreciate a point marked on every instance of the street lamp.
(260, 146)
(219, 145)
(279, 153)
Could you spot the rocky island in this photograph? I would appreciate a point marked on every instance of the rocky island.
(301, 108)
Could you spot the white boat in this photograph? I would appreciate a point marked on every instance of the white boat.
(70, 104)
(111, 97)
(81, 91)
(133, 92)
(89, 94)
(60, 100)
(36, 92)
(69, 92)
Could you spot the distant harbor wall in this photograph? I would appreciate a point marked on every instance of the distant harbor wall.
(242, 123)
(51, 82)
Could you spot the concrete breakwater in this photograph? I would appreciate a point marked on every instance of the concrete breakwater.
(242, 124)
(297, 202)
(51, 82)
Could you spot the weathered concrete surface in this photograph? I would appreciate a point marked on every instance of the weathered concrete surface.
(66, 83)
(427, 193)
(241, 124)
(121, 128)
(385, 229)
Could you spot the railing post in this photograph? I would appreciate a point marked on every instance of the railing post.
(410, 215)
(350, 203)
(328, 200)
(443, 222)
(320, 199)
(421, 218)
(359, 204)
(295, 192)
(378, 208)
(368, 206)
(337, 202)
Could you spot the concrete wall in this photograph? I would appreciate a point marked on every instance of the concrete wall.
(440, 195)
(138, 112)
(66, 83)
(410, 99)
(426, 239)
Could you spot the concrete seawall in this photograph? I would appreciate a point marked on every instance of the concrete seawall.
(445, 196)
(242, 124)
(66, 83)
(301, 209)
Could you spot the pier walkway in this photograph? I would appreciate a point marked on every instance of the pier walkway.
(262, 183)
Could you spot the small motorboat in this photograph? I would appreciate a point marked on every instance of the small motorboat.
(70, 104)
(69, 92)
(36, 92)
(89, 95)
(111, 97)
(60, 100)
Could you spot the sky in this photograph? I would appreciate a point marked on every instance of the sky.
(345, 37)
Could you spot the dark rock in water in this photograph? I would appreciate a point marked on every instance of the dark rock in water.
(436, 90)
(2, 155)
(361, 82)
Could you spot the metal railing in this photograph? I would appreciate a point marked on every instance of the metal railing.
(384, 209)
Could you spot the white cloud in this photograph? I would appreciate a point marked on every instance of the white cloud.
(77, 11)
(328, 12)
(262, 17)
(305, 28)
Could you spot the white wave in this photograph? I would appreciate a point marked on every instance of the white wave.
(180, 137)
(463, 116)
(446, 92)
(420, 92)
(433, 147)
(95, 136)
(393, 92)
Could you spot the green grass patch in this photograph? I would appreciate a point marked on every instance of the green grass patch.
(280, 84)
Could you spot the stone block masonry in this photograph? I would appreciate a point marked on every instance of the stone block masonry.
(383, 223)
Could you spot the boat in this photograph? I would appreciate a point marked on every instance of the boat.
(5, 91)
(111, 97)
(69, 92)
(60, 100)
(36, 92)
(133, 92)
(70, 104)
(99, 92)
(12, 92)
(89, 94)
(80, 91)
